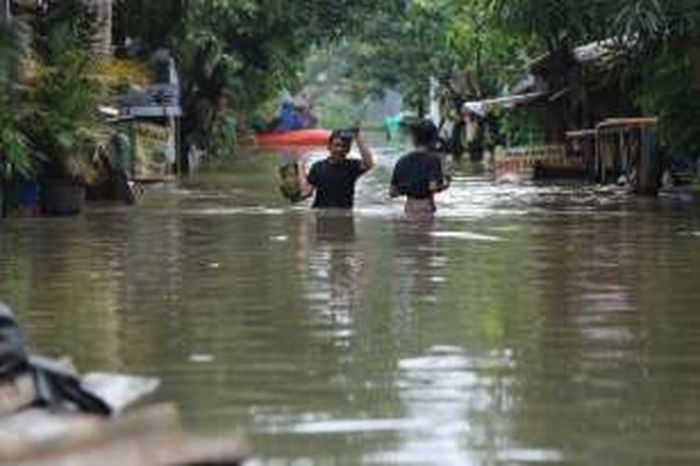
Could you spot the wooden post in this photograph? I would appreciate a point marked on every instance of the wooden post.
(3, 188)
(694, 53)
(596, 156)
(103, 36)
(649, 165)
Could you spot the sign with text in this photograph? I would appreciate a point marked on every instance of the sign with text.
(151, 149)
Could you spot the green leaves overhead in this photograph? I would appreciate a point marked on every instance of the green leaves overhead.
(459, 43)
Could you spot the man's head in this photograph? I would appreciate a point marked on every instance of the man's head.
(339, 143)
(424, 133)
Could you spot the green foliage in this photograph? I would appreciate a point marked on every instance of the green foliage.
(668, 92)
(651, 22)
(338, 111)
(522, 127)
(243, 50)
(14, 144)
(339, 101)
(460, 43)
(489, 55)
(223, 136)
(555, 25)
(153, 24)
(660, 66)
(63, 124)
(657, 35)
(402, 48)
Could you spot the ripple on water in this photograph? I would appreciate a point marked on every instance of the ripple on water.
(465, 235)
(233, 211)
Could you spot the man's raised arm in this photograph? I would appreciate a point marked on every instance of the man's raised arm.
(365, 152)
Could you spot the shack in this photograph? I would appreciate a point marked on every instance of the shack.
(582, 87)
(626, 151)
(536, 151)
(558, 132)
(620, 150)
(154, 113)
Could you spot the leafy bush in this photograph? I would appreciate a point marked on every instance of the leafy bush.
(65, 127)
(14, 144)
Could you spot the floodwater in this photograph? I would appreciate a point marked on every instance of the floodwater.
(526, 325)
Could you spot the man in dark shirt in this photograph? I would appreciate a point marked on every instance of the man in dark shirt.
(418, 175)
(333, 179)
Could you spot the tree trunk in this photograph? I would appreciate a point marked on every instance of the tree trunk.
(650, 165)
(102, 44)
(695, 65)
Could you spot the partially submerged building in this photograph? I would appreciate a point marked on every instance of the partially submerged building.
(568, 106)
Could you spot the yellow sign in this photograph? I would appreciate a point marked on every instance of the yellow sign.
(151, 149)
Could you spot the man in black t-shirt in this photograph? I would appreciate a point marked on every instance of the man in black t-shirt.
(418, 175)
(333, 179)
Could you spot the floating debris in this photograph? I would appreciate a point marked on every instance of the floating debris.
(201, 358)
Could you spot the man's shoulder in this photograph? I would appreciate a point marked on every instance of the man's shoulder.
(406, 156)
(319, 166)
(412, 157)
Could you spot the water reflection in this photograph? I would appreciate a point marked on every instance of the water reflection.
(442, 391)
(335, 227)
(336, 266)
(419, 260)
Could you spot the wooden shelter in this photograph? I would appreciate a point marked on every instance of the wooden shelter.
(627, 148)
(581, 86)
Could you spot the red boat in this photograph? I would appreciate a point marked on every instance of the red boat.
(297, 137)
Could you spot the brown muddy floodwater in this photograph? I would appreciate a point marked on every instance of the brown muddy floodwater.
(527, 325)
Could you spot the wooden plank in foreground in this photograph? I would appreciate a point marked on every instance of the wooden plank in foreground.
(147, 437)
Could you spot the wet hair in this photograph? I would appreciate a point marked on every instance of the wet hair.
(342, 134)
(424, 133)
